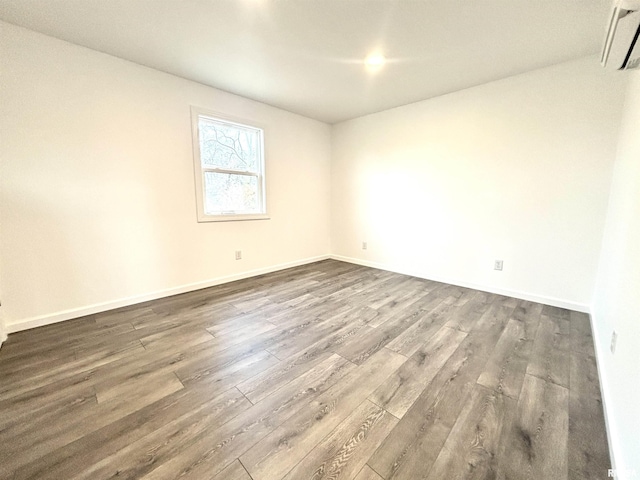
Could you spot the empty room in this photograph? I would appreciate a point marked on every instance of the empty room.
(319, 239)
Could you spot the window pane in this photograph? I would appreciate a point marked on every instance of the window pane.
(225, 192)
(228, 146)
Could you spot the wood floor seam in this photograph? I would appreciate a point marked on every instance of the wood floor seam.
(378, 473)
(236, 387)
(174, 374)
(373, 401)
(245, 469)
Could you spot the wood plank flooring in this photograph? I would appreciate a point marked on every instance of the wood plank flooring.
(325, 371)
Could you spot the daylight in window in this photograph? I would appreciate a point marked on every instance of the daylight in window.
(229, 168)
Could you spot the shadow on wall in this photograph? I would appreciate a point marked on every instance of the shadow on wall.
(3, 328)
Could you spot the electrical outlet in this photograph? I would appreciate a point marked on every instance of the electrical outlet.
(364, 245)
(497, 265)
(614, 338)
(238, 254)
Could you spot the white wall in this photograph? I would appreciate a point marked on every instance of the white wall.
(517, 169)
(617, 297)
(97, 187)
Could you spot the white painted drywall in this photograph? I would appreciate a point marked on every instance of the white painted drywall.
(517, 170)
(616, 304)
(97, 185)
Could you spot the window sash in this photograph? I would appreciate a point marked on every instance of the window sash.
(259, 193)
(231, 172)
(221, 120)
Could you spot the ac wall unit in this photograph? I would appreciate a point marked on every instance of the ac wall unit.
(622, 47)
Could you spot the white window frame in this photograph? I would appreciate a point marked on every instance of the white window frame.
(200, 170)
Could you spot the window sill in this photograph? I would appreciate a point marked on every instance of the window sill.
(232, 218)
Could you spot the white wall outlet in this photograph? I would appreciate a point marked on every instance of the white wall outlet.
(364, 245)
(238, 254)
(497, 265)
(614, 338)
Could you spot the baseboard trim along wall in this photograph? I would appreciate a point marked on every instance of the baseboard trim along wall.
(555, 302)
(33, 322)
(603, 388)
(49, 319)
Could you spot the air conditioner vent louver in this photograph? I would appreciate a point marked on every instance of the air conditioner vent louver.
(622, 47)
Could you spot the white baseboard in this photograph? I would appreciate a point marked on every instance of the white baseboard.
(603, 388)
(39, 321)
(56, 317)
(555, 302)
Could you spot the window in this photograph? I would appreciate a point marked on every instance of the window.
(229, 168)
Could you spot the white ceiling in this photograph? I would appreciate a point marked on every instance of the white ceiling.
(306, 56)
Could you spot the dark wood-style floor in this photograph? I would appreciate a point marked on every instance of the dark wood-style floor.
(325, 371)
